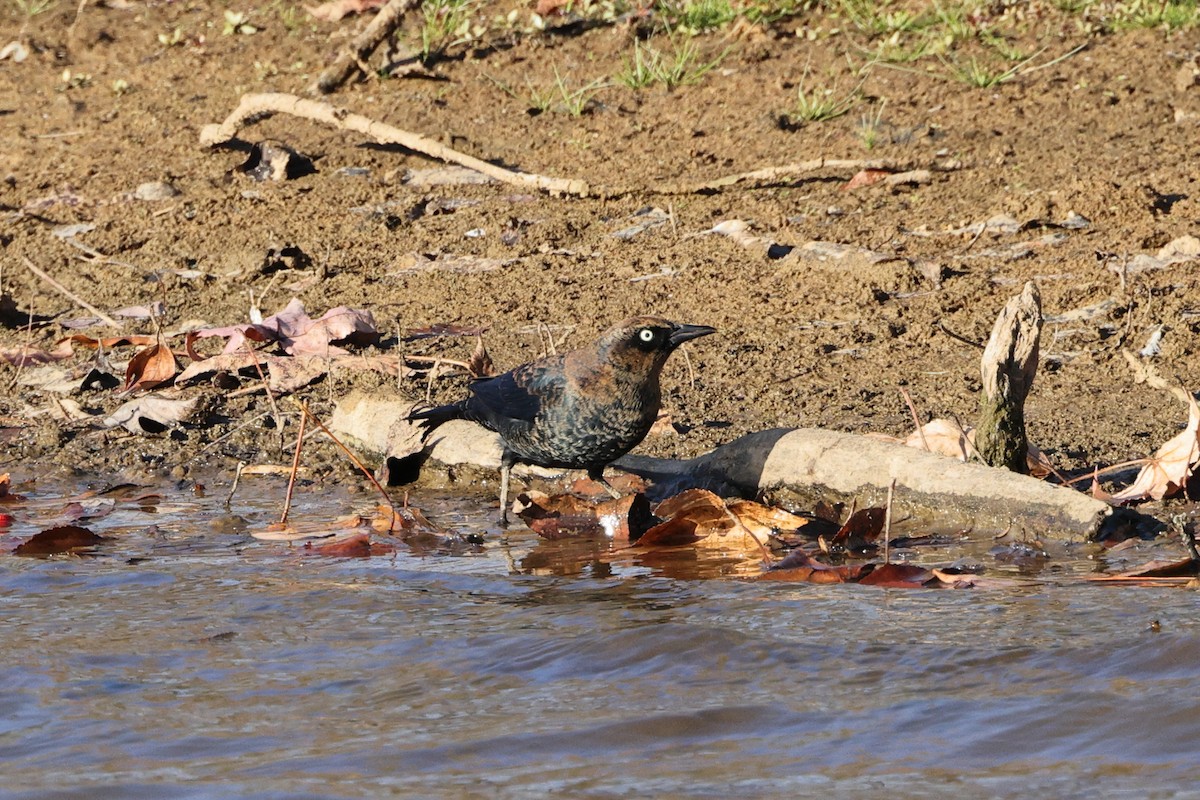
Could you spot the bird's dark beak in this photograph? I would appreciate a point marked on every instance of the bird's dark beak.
(683, 333)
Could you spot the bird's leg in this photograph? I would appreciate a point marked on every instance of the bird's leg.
(597, 474)
(506, 465)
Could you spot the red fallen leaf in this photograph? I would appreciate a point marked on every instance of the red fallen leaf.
(62, 539)
(800, 567)
(897, 576)
(150, 368)
(5, 494)
(189, 344)
(858, 534)
(626, 518)
(687, 518)
(357, 546)
(558, 517)
(625, 483)
(6, 520)
(865, 177)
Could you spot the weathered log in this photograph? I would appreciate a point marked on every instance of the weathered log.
(810, 463)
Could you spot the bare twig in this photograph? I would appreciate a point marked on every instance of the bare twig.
(887, 522)
(67, 293)
(260, 105)
(360, 49)
(287, 498)
(916, 420)
(237, 477)
(354, 459)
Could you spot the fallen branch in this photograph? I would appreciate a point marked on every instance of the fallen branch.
(814, 462)
(363, 45)
(257, 105)
(905, 173)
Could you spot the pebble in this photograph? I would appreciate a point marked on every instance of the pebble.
(155, 190)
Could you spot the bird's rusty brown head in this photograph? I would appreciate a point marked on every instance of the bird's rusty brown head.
(650, 338)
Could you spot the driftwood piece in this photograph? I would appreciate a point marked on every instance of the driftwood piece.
(260, 105)
(363, 45)
(1009, 365)
(808, 462)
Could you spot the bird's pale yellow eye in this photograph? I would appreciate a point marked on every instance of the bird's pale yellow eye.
(646, 335)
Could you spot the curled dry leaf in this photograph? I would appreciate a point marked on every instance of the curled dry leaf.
(858, 534)
(150, 368)
(763, 522)
(1168, 469)
(150, 414)
(480, 365)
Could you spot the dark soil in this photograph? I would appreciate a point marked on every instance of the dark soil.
(1110, 133)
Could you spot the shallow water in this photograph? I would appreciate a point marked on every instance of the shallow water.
(216, 665)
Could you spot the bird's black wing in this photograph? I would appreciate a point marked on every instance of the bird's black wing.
(509, 397)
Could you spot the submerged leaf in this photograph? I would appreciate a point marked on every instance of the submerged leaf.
(61, 539)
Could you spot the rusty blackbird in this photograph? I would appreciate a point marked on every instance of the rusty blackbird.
(580, 410)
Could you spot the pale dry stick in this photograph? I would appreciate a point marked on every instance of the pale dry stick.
(771, 174)
(912, 409)
(354, 460)
(67, 293)
(363, 45)
(270, 395)
(287, 498)
(258, 106)
(237, 478)
(887, 523)
(75, 22)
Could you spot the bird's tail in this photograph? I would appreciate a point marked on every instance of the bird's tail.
(430, 419)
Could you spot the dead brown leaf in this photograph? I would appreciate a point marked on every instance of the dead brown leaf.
(150, 368)
(480, 365)
(800, 567)
(1168, 469)
(763, 522)
(858, 534)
